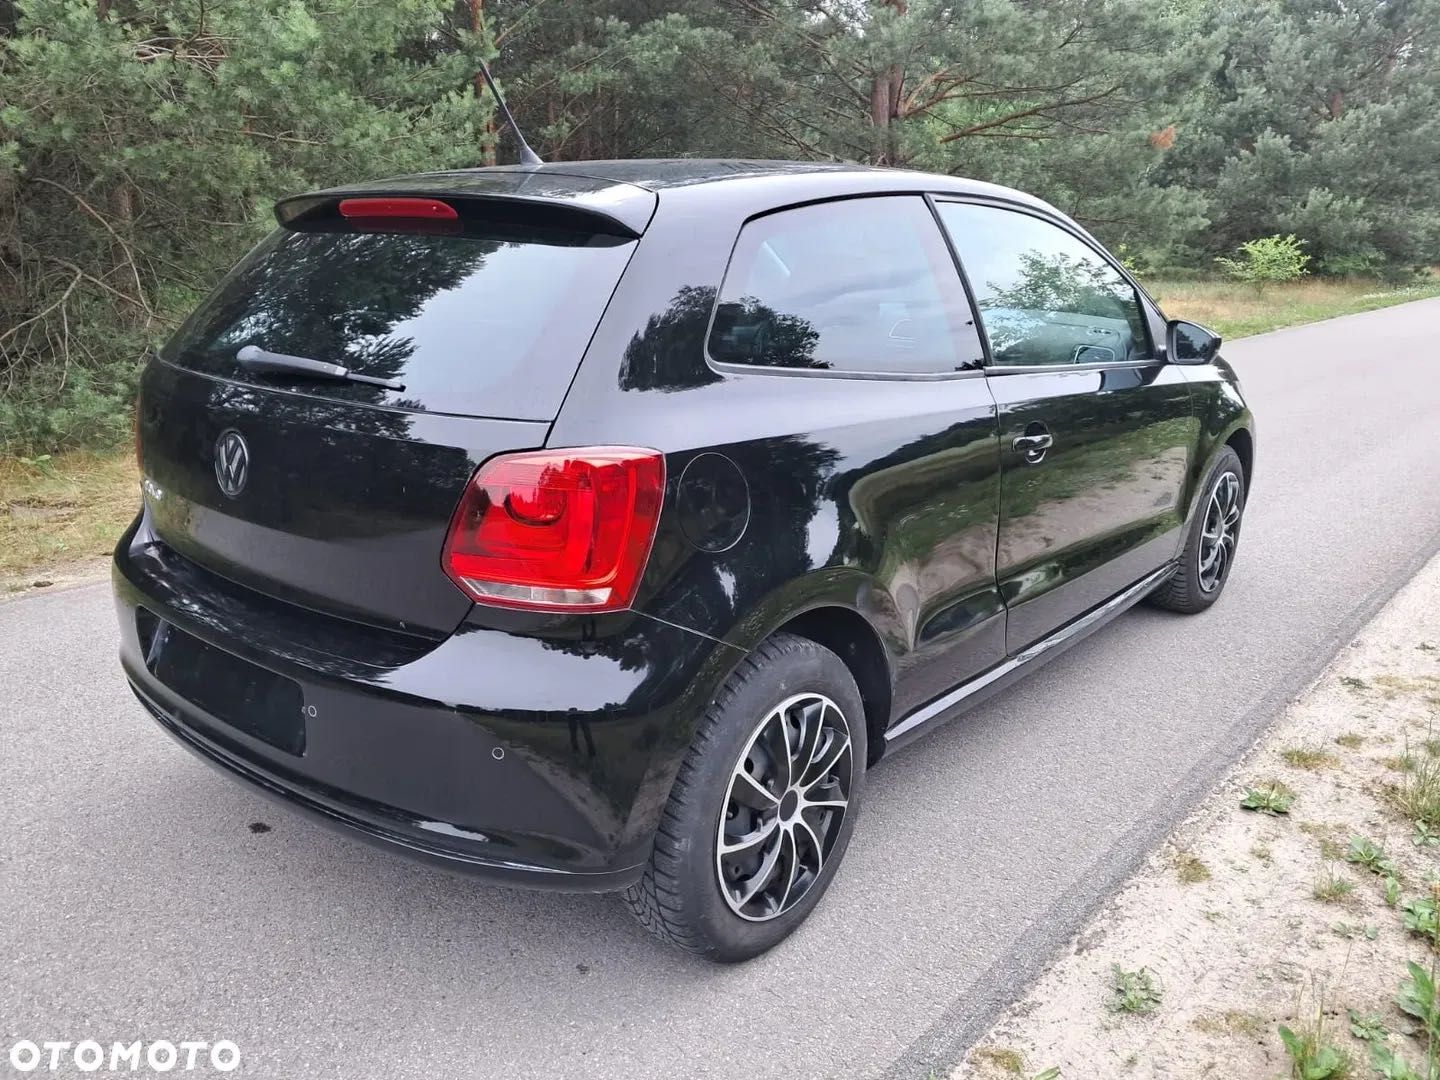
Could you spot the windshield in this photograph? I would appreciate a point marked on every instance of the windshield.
(491, 322)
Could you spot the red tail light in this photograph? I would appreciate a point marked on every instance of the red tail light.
(557, 530)
(397, 208)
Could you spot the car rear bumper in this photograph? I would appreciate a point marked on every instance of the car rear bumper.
(526, 761)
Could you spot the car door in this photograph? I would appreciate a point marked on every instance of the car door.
(1096, 430)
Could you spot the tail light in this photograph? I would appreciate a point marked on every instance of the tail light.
(557, 530)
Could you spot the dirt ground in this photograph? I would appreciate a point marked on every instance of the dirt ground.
(1244, 920)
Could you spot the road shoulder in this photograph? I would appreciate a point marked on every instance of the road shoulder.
(1243, 920)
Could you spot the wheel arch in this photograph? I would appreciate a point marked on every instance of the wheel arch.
(848, 612)
(1243, 443)
(849, 635)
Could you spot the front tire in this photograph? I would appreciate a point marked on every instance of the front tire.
(763, 807)
(1212, 542)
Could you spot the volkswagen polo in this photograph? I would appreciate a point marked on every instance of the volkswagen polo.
(599, 525)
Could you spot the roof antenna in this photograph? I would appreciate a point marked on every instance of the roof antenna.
(527, 156)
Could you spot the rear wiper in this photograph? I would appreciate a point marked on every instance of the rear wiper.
(254, 358)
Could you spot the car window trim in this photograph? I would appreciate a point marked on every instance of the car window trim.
(1157, 352)
(727, 367)
(1060, 369)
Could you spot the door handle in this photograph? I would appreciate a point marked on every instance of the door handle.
(1033, 446)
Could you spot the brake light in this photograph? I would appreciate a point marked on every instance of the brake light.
(557, 530)
(397, 208)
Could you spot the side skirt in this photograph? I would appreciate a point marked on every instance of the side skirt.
(1007, 671)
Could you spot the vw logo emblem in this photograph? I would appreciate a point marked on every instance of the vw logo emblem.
(232, 462)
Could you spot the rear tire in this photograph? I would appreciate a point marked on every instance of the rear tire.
(723, 903)
(1211, 544)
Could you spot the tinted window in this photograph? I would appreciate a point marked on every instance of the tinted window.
(1045, 296)
(491, 322)
(858, 285)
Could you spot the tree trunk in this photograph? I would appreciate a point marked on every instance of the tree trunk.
(492, 137)
(885, 93)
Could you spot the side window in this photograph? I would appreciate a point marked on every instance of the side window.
(1045, 296)
(863, 285)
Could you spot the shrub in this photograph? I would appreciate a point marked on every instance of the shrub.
(1268, 260)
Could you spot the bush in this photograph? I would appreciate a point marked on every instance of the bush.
(1267, 260)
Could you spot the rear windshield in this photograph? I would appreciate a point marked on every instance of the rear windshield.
(491, 322)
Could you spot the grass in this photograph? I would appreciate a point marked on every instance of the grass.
(1001, 1058)
(1234, 310)
(57, 509)
(1331, 850)
(1312, 1057)
(1399, 762)
(1417, 796)
(1308, 757)
(1189, 869)
(1332, 888)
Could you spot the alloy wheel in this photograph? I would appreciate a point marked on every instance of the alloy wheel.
(1219, 532)
(786, 801)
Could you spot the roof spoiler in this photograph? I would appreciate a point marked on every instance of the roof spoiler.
(572, 210)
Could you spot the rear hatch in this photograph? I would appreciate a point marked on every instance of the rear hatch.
(334, 494)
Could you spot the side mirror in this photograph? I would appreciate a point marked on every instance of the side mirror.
(1190, 343)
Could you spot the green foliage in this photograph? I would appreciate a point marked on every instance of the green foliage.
(1422, 917)
(1136, 992)
(1320, 120)
(1311, 1058)
(142, 144)
(1371, 856)
(1273, 798)
(1367, 1028)
(1390, 1066)
(1267, 261)
(1417, 998)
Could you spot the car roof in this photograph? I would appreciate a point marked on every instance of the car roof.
(655, 174)
(660, 174)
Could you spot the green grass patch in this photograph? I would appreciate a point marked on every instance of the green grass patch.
(55, 510)
(1332, 888)
(1235, 310)
(1313, 758)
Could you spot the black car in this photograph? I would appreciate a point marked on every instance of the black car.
(597, 525)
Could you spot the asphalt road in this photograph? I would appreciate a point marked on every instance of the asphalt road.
(136, 902)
